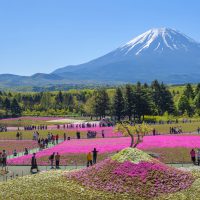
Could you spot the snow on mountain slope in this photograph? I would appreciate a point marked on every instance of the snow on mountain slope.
(160, 39)
(159, 53)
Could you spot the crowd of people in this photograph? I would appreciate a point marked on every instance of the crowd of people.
(3, 128)
(80, 125)
(33, 127)
(50, 139)
(175, 130)
(91, 134)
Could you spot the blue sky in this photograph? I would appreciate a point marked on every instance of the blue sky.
(42, 35)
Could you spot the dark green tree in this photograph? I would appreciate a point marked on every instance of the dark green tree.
(184, 105)
(7, 106)
(142, 102)
(15, 108)
(188, 92)
(197, 89)
(197, 101)
(129, 102)
(101, 100)
(162, 98)
(118, 104)
(59, 100)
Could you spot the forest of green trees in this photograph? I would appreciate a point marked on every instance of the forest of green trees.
(131, 101)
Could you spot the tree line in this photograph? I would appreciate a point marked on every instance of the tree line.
(129, 101)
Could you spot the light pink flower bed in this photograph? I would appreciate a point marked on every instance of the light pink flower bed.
(19, 145)
(108, 145)
(32, 118)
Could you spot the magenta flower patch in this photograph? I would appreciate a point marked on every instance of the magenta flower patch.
(109, 145)
(145, 179)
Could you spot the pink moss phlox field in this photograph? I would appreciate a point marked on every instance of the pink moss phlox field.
(109, 145)
(170, 141)
(143, 179)
(19, 145)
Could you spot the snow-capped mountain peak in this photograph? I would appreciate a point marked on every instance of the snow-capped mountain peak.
(159, 53)
(158, 39)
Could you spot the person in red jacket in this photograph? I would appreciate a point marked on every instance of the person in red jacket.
(53, 139)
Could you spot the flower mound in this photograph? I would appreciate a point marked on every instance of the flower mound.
(132, 175)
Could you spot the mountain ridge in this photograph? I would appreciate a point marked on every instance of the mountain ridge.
(159, 53)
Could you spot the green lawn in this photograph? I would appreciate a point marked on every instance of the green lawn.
(172, 155)
(186, 127)
(28, 135)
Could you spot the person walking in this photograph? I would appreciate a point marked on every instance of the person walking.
(17, 135)
(57, 137)
(193, 154)
(89, 159)
(65, 136)
(1, 160)
(198, 156)
(102, 133)
(94, 155)
(34, 163)
(15, 152)
(57, 159)
(26, 151)
(154, 132)
(51, 158)
(53, 139)
(4, 159)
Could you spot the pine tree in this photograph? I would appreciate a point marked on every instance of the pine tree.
(59, 100)
(15, 108)
(188, 92)
(101, 102)
(118, 104)
(162, 98)
(142, 102)
(184, 105)
(197, 89)
(7, 106)
(129, 101)
(197, 101)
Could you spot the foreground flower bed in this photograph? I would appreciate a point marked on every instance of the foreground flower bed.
(19, 145)
(139, 175)
(128, 175)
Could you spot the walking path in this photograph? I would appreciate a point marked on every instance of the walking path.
(20, 171)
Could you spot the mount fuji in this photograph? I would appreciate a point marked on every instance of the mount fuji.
(160, 53)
